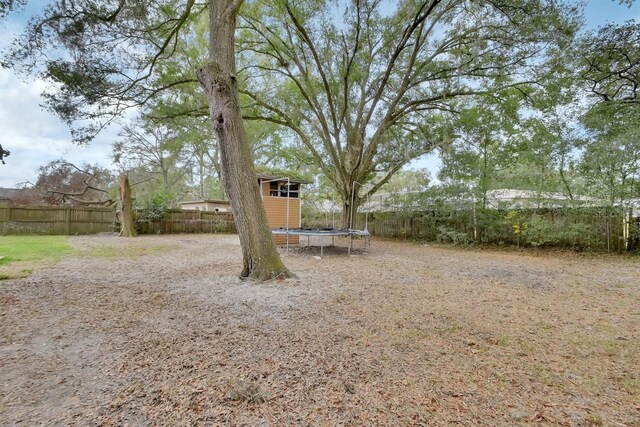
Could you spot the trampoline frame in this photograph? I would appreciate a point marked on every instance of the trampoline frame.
(325, 233)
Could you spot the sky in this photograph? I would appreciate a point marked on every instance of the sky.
(35, 137)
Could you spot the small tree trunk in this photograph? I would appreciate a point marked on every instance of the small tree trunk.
(201, 160)
(127, 215)
(261, 260)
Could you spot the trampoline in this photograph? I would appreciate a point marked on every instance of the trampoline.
(325, 232)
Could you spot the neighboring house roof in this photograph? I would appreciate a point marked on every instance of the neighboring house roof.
(267, 177)
(218, 202)
(7, 194)
(506, 197)
(508, 194)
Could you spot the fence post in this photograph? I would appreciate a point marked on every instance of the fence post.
(9, 220)
(67, 220)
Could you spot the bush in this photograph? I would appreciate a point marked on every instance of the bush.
(449, 235)
(540, 231)
(154, 209)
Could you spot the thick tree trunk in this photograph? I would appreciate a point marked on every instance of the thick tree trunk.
(348, 211)
(261, 260)
(126, 213)
(346, 215)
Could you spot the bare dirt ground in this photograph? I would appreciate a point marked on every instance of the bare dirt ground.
(159, 331)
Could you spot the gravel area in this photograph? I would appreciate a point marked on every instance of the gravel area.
(158, 330)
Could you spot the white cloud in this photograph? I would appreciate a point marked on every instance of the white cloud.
(35, 137)
(430, 162)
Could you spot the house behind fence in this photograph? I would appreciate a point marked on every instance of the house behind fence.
(206, 205)
(188, 221)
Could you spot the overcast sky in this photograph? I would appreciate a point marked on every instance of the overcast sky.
(36, 137)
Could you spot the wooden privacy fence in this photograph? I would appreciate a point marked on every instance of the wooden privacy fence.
(55, 220)
(84, 220)
(179, 221)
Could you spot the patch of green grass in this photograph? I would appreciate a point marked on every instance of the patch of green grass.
(595, 384)
(604, 326)
(595, 420)
(527, 348)
(247, 392)
(547, 376)
(447, 328)
(32, 248)
(631, 386)
(342, 298)
(415, 333)
(610, 348)
(547, 326)
(503, 340)
(21, 253)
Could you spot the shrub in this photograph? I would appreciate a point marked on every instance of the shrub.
(449, 235)
(541, 231)
(153, 209)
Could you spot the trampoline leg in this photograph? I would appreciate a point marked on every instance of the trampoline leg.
(308, 238)
(321, 251)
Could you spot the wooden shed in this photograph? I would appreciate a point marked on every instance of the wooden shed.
(281, 198)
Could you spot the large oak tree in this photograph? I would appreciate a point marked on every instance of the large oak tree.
(366, 87)
(219, 80)
(103, 57)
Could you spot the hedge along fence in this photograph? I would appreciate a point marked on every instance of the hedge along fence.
(67, 220)
(597, 229)
(55, 220)
(179, 221)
